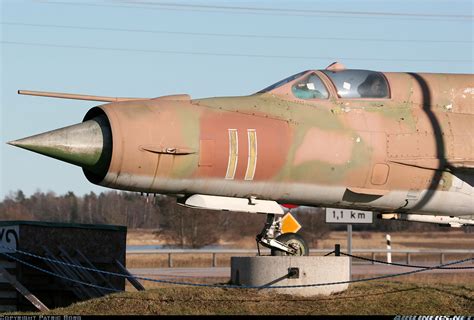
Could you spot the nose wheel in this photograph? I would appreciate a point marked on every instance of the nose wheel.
(293, 241)
(280, 244)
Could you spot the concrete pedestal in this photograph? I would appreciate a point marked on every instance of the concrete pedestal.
(290, 270)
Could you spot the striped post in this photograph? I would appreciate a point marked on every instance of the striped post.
(389, 247)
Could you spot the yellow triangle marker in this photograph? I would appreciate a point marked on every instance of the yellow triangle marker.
(289, 224)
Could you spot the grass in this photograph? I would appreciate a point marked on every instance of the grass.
(436, 294)
(380, 297)
(442, 293)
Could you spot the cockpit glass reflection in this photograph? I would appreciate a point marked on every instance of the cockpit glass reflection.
(311, 87)
(359, 83)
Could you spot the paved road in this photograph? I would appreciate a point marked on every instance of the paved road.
(357, 269)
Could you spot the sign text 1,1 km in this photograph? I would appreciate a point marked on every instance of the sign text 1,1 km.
(350, 216)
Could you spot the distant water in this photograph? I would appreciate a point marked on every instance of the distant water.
(157, 247)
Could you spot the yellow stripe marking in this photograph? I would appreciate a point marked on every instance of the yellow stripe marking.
(233, 154)
(252, 158)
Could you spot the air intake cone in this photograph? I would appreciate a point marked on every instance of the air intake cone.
(87, 144)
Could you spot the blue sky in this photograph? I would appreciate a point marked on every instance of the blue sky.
(204, 48)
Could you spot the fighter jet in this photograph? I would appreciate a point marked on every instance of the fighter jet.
(401, 144)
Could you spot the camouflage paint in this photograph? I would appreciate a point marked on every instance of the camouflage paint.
(411, 152)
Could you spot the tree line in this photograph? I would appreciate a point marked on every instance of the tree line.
(181, 226)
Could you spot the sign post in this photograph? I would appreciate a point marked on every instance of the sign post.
(349, 217)
(349, 248)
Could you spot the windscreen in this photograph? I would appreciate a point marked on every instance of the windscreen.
(359, 83)
(282, 82)
(310, 87)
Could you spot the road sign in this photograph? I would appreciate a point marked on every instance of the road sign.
(350, 216)
(289, 224)
(8, 239)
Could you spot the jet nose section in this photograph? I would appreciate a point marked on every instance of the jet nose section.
(87, 144)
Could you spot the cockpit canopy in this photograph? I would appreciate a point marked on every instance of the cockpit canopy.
(310, 87)
(349, 84)
(283, 82)
(359, 83)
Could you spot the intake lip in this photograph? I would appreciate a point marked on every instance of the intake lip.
(98, 172)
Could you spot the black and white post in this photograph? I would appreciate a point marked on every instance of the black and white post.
(389, 248)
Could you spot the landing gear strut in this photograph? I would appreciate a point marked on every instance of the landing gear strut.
(281, 244)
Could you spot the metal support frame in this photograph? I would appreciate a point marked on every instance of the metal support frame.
(77, 288)
(81, 273)
(270, 231)
(24, 291)
(130, 277)
(90, 265)
(80, 290)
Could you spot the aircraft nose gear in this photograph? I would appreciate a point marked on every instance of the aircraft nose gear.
(281, 244)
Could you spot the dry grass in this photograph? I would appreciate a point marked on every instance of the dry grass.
(179, 260)
(419, 278)
(365, 299)
(438, 278)
(140, 237)
(451, 239)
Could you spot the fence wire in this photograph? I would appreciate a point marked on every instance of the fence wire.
(405, 265)
(226, 286)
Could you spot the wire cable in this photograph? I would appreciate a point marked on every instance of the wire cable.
(274, 11)
(56, 274)
(401, 264)
(231, 35)
(286, 10)
(217, 285)
(223, 54)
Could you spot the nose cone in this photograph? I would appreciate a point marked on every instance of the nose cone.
(87, 144)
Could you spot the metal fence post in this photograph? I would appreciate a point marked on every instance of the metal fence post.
(170, 261)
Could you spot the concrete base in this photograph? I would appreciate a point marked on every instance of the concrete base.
(274, 271)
